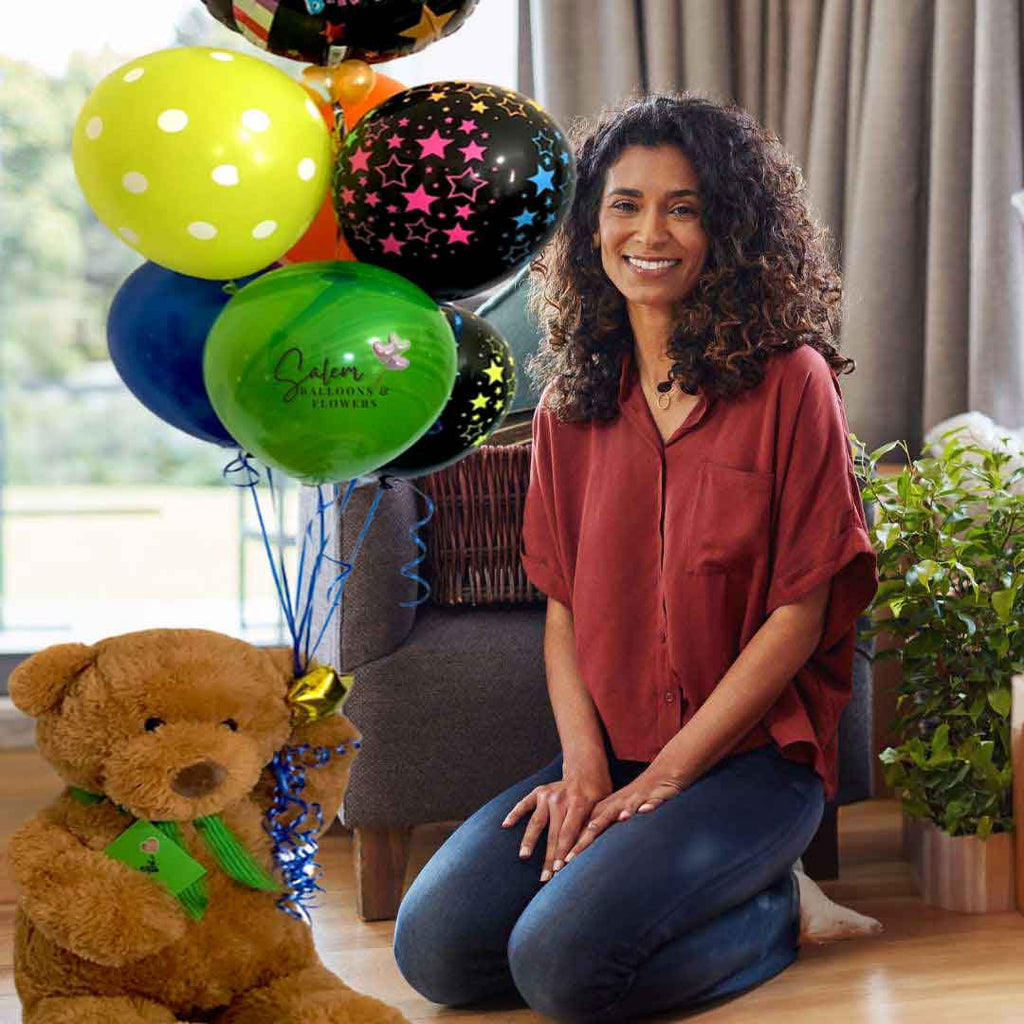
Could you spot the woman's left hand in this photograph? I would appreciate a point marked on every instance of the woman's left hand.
(644, 794)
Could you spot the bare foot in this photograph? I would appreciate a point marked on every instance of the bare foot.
(823, 920)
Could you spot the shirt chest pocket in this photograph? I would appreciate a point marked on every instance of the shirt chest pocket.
(729, 521)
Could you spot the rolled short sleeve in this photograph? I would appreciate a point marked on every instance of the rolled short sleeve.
(541, 547)
(819, 532)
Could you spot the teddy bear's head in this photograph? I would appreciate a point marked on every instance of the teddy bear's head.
(172, 724)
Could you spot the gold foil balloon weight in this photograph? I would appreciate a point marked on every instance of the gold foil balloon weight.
(318, 694)
(351, 82)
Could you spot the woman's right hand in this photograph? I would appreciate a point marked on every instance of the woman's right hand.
(562, 808)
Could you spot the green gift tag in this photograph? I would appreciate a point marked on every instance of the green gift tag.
(146, 848)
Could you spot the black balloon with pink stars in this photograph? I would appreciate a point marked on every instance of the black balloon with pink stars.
(453, 185)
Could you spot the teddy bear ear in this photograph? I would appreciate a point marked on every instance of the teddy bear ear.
(39, 682)
(283, 661)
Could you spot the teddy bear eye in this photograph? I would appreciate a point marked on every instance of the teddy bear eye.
(231, 724)
(152, 724)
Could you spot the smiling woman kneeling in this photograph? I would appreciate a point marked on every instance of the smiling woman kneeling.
(694, 519)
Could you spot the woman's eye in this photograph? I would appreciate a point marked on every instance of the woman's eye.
(231, 724)
(152, 724)
(683, 209)
(624, 204)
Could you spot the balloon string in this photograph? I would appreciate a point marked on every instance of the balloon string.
(298, 612)
(242, 464)
(305, 628)
(408, 570)
(336, 590)
(290, 607)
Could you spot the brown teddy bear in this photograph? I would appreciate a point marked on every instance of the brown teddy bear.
(174, 727)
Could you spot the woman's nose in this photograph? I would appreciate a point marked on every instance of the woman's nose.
(653, 228)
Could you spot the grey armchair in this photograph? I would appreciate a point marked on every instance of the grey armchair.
(452, 703)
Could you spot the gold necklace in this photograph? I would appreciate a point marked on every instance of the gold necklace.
(665, 391)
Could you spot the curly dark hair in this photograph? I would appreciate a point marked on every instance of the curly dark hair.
(770, 283)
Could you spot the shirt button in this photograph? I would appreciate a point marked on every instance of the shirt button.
(669, 697)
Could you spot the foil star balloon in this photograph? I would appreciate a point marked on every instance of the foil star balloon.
(453, 185)
(334, 30)
(318, 694)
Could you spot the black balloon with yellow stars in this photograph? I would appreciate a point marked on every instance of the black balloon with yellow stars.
(485, 387)
(329, 31)
(453, 185)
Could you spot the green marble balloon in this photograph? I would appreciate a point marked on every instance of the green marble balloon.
(329, 370)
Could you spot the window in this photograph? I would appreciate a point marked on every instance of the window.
(111, 520)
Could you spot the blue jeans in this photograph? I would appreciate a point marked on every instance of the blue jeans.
(689, 903)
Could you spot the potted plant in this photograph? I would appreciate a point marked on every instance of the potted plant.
(949, 534)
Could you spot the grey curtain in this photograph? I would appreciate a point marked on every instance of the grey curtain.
(906, 117)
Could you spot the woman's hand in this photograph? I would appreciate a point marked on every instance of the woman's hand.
(645, 793)
(561, 807)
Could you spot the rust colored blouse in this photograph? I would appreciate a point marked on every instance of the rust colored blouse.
(672, 555)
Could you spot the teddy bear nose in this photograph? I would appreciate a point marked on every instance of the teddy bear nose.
(198, 779)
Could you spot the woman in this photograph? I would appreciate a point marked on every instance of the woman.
(694, 519)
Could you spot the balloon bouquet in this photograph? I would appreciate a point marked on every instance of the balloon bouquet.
(300, 239)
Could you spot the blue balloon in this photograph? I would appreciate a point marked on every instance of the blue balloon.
(156, 333)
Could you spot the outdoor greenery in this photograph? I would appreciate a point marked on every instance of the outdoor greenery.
(66, 417)
(949, 533)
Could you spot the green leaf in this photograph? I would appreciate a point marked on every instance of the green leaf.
(923, 572)
(940, 739)
(887, 588)
(1000, 701)
(1002, 602)
(916, 807)
(956, 778)
(887, 534)
(984, 827)
(982, 757)
(903, 486)
(884, 450)
(976, 709)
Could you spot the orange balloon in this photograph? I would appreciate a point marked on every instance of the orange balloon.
(319, 241)
(343, 252)
(323, 240)
(383, 89)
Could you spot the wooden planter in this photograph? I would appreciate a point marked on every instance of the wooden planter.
(1017, 760)
(965, 873)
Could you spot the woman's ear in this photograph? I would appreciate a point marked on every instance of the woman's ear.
(595, 238)
(38, 684)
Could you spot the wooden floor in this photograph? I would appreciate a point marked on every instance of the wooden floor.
(928, 967)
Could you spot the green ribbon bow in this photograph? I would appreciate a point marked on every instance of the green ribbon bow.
(229, 853)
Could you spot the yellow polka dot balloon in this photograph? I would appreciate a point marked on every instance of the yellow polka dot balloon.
(207, 162)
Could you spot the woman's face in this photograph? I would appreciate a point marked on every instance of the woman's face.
(653, 245)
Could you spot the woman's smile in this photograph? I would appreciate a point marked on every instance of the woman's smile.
(650, 267)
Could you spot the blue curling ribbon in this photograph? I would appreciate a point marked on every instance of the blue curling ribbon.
(409, 569)
(295, 844)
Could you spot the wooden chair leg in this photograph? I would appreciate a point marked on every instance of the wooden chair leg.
(821, 858)
(381, 856)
